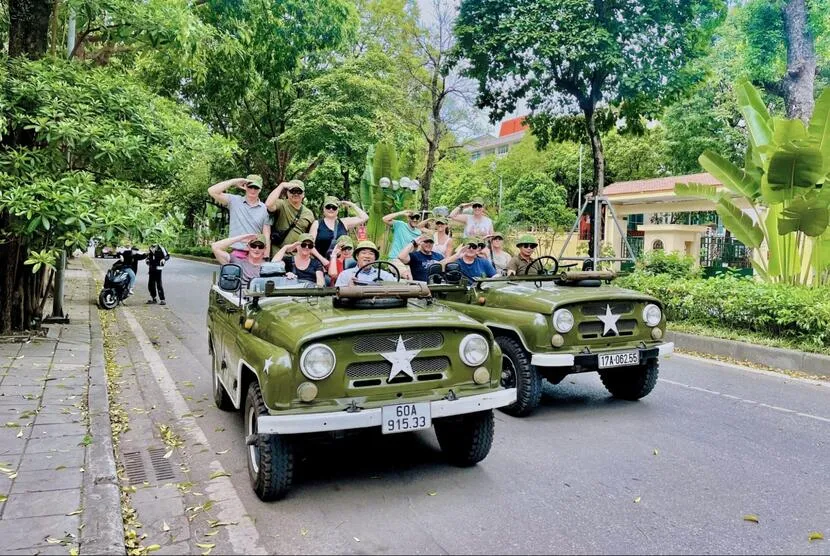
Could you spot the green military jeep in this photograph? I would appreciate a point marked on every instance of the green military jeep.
(553, 324)
(299, 360)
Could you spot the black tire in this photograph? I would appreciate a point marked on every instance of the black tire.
(518, 372)
(220, 395)
(631, 384)
(107, 299)
(271, 459)
(466, 439)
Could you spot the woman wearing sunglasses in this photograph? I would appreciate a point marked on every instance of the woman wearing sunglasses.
(329, 228)
(307, 268)
(475, 224)
(441, 237)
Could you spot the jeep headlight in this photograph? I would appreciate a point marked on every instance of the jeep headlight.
(474, 350)
(317, 361)
(563, 320)
(652, 314)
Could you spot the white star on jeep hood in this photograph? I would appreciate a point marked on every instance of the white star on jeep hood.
(401, 360)
(609, 320)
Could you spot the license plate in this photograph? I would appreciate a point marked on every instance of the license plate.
(406, 417)
(624, 359)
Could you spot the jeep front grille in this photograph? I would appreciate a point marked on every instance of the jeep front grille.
(377, 369)
(593, 330)
(380, 343)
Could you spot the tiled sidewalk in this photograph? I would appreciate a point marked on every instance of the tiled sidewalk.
(57, 474)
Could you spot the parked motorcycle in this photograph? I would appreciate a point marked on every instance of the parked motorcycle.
(116, 287)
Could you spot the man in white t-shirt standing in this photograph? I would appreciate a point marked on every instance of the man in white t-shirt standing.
(248, 215)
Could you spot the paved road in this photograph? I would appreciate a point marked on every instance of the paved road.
(673, 473)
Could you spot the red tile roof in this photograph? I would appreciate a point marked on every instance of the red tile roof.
(658, 184)
(513, 125)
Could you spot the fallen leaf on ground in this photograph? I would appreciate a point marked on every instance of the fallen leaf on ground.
(656, 451)
(53, 540)
(751, 517)
(304, 531)
(168, 454)
(153, 547)
(637, 500)
(431, 493)
(3, 497)
(217, 474)
(224, 451)
(76, 512)
(816, 536)
(216, 523)
(211, 533)
(219, 429)
(164, 526)
(20, 434)
(205, 544)
(356, 539)
(5, 470)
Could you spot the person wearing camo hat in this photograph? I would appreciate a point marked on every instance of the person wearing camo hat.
(518, 264)
(340, 253)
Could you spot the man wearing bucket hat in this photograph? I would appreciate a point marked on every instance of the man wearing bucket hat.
(289, 216)
(248, 214)
(518, 264)
(366, 252)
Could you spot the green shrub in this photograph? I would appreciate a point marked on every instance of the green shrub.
(676, 265)
(774, 310)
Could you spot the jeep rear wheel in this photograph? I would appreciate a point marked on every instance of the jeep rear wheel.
(517, 372)
(271, 457)
(220, 395)
(466, 439)
(631, 384)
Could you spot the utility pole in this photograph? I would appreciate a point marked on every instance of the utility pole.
(57, 293)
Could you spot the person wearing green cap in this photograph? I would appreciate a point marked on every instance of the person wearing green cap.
(251, 262)
(248, 215)
(518, 264)
(289, 216)
(441, 237)
(329, 227)
(307, 267)
(475, 224)
(365, 253)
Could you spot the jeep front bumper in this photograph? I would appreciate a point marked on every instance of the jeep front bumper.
(589, 361)
(364, 418)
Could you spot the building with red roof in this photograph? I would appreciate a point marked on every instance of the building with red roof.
(510, 132)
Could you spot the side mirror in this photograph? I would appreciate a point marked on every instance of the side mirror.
(230, 277)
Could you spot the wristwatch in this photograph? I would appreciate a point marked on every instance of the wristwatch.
(414, 243)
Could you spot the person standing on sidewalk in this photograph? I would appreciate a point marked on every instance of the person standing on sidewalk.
(156, 258)
(248, 215)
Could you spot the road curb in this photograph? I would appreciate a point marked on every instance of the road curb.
(103, 531)
(779, 358)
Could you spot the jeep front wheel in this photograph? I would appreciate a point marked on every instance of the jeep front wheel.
(270, 457)
(631, 384)
(517, 372)
(465, 439)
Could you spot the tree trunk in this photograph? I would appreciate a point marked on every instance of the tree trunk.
(29, 27)
(429, 170)
(347, 186)
(596, 150)
(801, 61)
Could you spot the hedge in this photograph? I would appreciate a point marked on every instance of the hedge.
(772, 310)
(196, 251)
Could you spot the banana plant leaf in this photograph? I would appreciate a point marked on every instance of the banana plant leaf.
(740, 224)
(819, 129)
(748, 96)
(792, 167)
(760, 132)
(697, 190)
(774, 241)
(788, 131)
(367, 180)
(808, 214)
(733, 178)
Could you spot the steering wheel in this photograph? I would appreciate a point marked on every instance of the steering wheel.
(379, 264)
(541, 266)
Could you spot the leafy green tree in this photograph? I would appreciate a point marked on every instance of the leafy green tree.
(575, 56)
(536, 201)
(81, 150)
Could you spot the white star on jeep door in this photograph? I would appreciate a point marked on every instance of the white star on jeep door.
(609, 320)
(401, 360)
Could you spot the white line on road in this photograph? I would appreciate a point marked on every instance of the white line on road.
(244, 537)
(744, 400)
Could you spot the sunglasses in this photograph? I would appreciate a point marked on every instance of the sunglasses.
(252, 186)
(346, 248)
(475, 245)
(331, 207)
(528, 245)
(478, 206)
(415, 217)
(296, 191)
(256, 245)
(307, 245)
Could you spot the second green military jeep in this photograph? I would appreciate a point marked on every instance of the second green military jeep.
(301, 360)
(553, 324)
